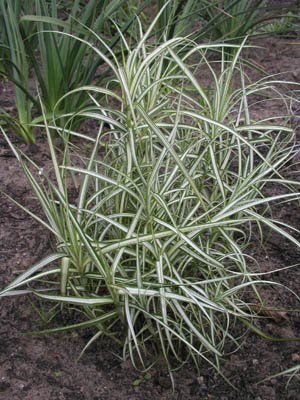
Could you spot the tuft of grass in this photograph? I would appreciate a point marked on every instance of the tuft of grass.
(153, 248)
(64, 63)
(285, 25)
(15, 65)
(232, 19)
(35, 37)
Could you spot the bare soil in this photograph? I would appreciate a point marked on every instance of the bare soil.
(45, 367)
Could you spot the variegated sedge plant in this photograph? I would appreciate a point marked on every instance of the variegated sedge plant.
(153, 251)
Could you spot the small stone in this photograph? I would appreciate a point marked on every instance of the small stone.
(287, 333)
(296, 357)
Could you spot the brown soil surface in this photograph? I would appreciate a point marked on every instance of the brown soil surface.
(44, 368)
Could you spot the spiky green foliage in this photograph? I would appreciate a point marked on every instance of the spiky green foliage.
(232, 19)
(177, 17)
(15, 64)
(36, 37)
(64, 63)
(153, 249)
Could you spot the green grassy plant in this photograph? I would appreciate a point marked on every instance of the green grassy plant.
(221, 20)
(38, 35)
(286, 25)
(63, 63)
(15, 65)
(173, 20)
(169, 195)
(37, 38)
(231, 19)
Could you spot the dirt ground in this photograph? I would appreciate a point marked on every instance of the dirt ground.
(45, 367)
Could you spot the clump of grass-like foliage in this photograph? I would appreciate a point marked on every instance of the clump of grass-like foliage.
(153, 250)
